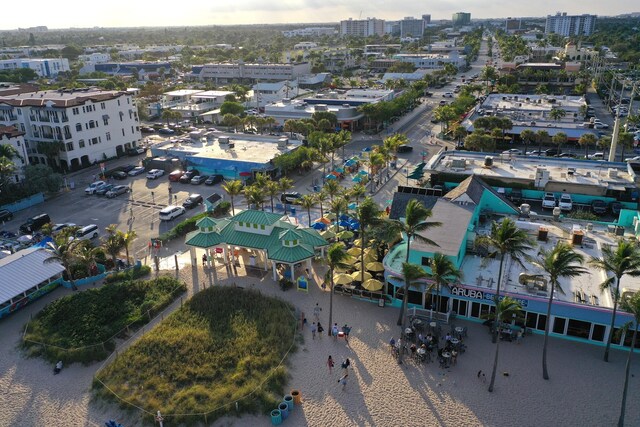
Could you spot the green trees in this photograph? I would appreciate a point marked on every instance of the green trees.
(230, 107)
(560, 262)
(527, 136)
(559, 139)
(336, 257)
(445, 114)
(506, 239)
(632, 306)
(443, 272)
(542, 137)
(411, 273)
(114, 242)
(307, 202)
(368, 214)
(168, 115)
(507, 310)
(619, 261)
(586, 140)
(557, 114)
(233, 189)
(63, 251)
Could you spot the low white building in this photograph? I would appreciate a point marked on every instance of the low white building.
(305, 45)
(310, 32)
(45, 67)
(267, 93)
(84, 126)
(224, 72)
(95, 58)
(432, 61)
(10, 135)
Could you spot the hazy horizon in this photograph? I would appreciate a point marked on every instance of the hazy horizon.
(64, 14)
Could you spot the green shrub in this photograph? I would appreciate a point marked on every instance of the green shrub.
(134, 273)
(81, 327)
(222, 209)
(583, 215)
(222, 345)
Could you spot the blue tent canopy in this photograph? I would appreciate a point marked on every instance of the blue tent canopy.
(330, 176)
(318, 226)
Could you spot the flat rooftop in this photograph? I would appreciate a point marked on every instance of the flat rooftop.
(612, 175)
(246, 148)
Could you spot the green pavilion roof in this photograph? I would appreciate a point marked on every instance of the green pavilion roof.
(256, 217)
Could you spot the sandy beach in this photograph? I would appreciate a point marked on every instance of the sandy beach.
(583, 390)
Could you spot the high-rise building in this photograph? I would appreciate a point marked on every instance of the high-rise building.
(461, 18)
(411, 27)
(570, 25)
(512, 24)
(426, 19)
(362, 27)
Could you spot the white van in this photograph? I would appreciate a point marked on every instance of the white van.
(88, 232)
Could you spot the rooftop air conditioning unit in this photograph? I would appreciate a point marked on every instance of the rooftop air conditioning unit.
(612, 173)
(223, 140)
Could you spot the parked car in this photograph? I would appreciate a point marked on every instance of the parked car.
(5, 215)
(290, 197)
(552, 152)
(166, 131)
(596, 156)
(198, 179)
(447, 95)
(57, 228)
(171, 212)
(136, 171)
(565, 203)
(548, 201)
(567, 155)
(615, 207)
(535, 153)
(119, 175)
(632, 159)
(94, 186)
(117, 190)
(147, 129)
(600, 126)
(176, 175)
(516, 196)
(598, 207)
(103, 190)
(214, 179)
(512, 151)
(404, 148)
(192, 201)
(35, 223)
(87, 233)
(186, 177)
(155, 173)
(136, 150)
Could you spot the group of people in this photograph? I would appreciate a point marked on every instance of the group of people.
(345, 370)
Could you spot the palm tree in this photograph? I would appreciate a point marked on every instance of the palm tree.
(332, 188)
(559, 139)
(632, 306)
(527, 136)
(307, 202)
(233, 188)
(587, 139)
(543, 137)
(321, 197)
(113, 243)
(414, 222)
(620, 261)
(254, 196)
(338, 206)
(64, 252)
(411, 273)
(507, 309)
(368, 216)
(261, 181)
(336, 256)
(561, 261)
(507, 240)
(358, 191)
(86, 255)
(443, 272)
(128, 239)
(272, 189)
(285, 185)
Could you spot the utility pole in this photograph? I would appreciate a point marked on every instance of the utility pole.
(616, 127)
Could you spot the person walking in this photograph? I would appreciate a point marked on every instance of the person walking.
(204, 260)
(330, 364)
(343, 380)
(320, 330)
(334, 331)
(313, 331)
(346, 330)
(345, 367)
(316, 312)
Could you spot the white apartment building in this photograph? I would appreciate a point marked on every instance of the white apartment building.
(46, 67)
(570, 25)
(268, 93)
(362, 27)
(86, 126)
(432, 61)
(305, 45)
(95, 58)
(10, 135)
(225, 72)
(310, 32)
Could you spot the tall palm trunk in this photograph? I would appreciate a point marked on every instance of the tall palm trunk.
(405, 297)
(309, 215)
(545, 373)
(494, 335)
(233, 208)
(363, 244)
(626, 378)
(330, 304)
(126, 251)
(272, 206)
(495, 364)
(613, 319)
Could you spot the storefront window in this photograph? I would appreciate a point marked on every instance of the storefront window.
(542, 321)
(475, 309)
(598, 332)
(531, 320)
(390, 290)
(628, 337)
(559, 324)
(578, 328)
(460, 307)
(415, 297)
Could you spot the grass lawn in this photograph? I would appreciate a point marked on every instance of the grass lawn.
(222, 345)
(82, 321)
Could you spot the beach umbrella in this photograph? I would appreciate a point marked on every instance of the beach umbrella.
(333, 228)
(366, 149)
(372, 285)
(328, 234)
(344, 223)
(354, 225)
(342, 279)
(330, 176)
(354, 251)
(353, 206)
(350, 162)
(345, 235)
(363, 172)
(375, 266)
(344, 217)
(357, 265)
(341, 270)
(370, 257)
(319, 226)
(340, 170)
(324, 220)
(331, 216)
(358, 243)
(350, 260)
(357, 276)
(356, 178)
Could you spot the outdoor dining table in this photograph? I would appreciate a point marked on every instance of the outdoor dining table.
(459, 330)
(447, 356)
(455, 341)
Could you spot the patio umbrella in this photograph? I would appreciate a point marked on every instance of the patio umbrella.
(319, 226)
(366, 149)
(363, 172)
(350, 260)
(324, 220)
(345, 235)
(370, 257)
(330, 176)
(341, 170)
(331, 216)
(344, 217)
(354, 225)
(353, 206)
(327, 234)
(354, 251)
(375, 266)
(357, 276)
(245, 174)
(358, 243)
(341, 270)
(350, 162)
(357, 265)
(356, 178)
(342, 279)
(344, 223)
(372, 285)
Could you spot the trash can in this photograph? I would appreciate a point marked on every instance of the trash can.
(276, 417)
(288, 399)
(297, 397)
(293, 211)
(381, 302)
(284, 410)
(543, 232)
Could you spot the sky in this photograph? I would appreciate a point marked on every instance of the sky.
(136, 13)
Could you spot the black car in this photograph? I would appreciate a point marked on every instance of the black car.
(186, 177)
(598, 207)
(35, 223)
(136, 150)
(103, 189)
(147, 129)
(127, 168)
(214, 179)
(404, 148)
(192, 201)
(615, 208)
(119, 175)
(551, 152)
(5, 215)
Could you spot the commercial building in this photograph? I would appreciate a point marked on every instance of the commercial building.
(362, 27)
(426, 19)
(432, 61)
(226, 72)
(570, 25)
(10, 135)
(136, 68)
(411, 27)
(84, 126)
(381, 49)
(512, 25)
(44, 67)
(191, 103)
(461, 19)
(310, 32)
